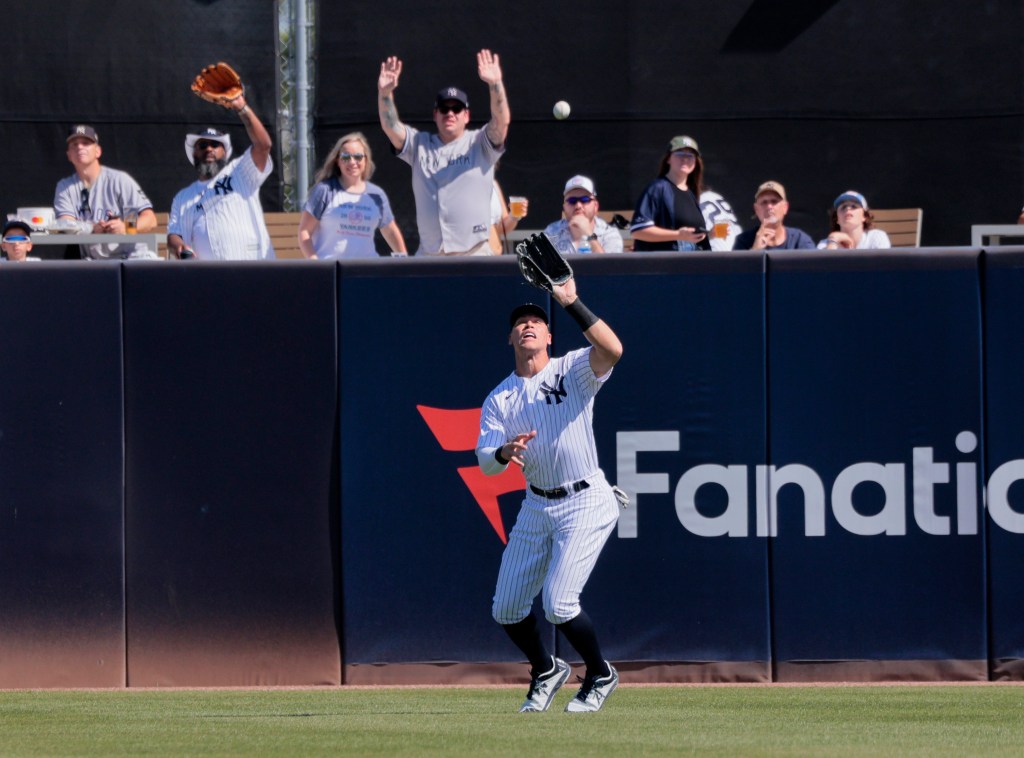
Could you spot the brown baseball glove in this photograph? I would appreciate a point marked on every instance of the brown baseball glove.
(218, 84)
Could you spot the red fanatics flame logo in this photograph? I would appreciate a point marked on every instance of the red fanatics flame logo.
(457, 431)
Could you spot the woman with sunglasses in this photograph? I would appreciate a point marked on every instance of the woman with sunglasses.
(668, 215)
(344, 208)
(851, 225)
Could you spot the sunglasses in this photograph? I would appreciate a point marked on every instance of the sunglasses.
(444, 110)
(585, 199)
(352, 157)
(84, 207)
(16, 239)
(685, 155)
(205, 144)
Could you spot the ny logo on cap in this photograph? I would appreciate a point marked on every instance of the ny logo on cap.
(452, 92)
(79, 130)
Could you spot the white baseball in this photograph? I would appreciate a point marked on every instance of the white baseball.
(561, 110)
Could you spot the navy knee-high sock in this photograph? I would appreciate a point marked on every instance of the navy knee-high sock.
(581, 635)
(526, 637)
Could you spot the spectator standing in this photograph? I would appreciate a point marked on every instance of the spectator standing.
(345, 208)
(667, 215)
(452, 170)
(219, 215)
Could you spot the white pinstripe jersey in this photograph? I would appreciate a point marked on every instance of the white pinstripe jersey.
(559, 403)
(221, 218)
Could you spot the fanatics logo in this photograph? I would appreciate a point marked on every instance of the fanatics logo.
(457, 430)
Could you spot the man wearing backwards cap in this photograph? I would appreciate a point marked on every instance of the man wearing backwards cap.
(540, 418)
(100, 196)
(771, 207)
(219, 215)
(17, 241)
(580, 221)
(453, 170)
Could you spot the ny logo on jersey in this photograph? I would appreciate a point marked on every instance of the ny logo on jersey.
(557, 392)
(222, 186)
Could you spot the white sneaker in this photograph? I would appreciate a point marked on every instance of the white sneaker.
(543, 687)
(594, 692)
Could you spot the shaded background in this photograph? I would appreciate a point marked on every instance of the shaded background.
(916, 105)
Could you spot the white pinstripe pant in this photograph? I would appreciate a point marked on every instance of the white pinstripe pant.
(554, 545)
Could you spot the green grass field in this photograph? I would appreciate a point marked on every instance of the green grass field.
(729, 721)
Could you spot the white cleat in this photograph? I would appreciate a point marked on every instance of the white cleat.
(594, 692)
(543, 687)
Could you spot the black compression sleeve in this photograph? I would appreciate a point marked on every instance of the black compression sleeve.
(581, 314)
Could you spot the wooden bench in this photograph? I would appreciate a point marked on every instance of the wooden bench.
(283, 228)
(903, 225)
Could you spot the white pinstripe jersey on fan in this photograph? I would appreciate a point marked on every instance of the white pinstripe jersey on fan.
(559, 403)
(221, 218)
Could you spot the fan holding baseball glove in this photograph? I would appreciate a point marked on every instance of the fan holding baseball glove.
(219, 216)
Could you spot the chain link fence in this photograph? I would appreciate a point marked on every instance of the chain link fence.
(296, 149)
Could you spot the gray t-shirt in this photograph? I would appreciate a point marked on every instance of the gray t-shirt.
(452, 184)
(114, 193)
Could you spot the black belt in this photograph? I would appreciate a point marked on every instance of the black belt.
(558, 492)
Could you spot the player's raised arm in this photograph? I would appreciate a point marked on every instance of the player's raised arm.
(387, 83)
(489, 69)
(607, 346)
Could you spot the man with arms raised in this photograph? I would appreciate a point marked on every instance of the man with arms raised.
(453, 170)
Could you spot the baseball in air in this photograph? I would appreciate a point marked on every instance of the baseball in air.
(561, 110)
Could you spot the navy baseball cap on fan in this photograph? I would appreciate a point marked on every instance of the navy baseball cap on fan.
(527, 309)
(452, 93)
(17, 223)
(83, 130)
(211, 134)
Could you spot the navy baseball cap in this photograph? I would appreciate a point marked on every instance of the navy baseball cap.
(17, 223)
(83, 130)
(452, 93)
(527, 309)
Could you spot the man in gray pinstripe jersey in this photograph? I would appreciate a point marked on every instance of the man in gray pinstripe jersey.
(541, 419)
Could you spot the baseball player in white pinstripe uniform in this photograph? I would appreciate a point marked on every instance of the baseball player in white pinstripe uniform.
(219, 216)
(541, 419)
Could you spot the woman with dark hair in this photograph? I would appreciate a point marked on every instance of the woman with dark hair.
(344, 208)
(852, 225)
(668, 215)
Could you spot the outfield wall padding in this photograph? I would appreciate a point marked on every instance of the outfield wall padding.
(62, 605)
(874, 372)
(231, 407)
(228, 475)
